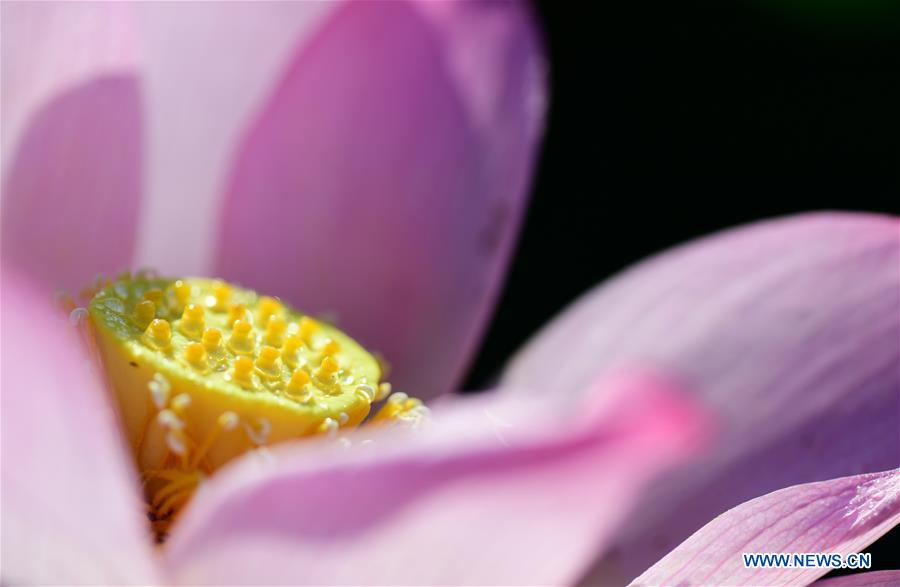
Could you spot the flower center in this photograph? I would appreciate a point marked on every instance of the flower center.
(204, 371)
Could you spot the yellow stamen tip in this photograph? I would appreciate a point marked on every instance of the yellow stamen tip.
(331, 348)
(243, 367)
(275, 329)
(182, 292)
(180, 403)
(242, 339)
(154, 295)
(145, 311)
(266, 308)
(192, 320)
(289, 351)
(237, 312)
(212, 338)
(329, 366)
(221, 295)
(195, 354)
(292, 343)
(159, 333)
(298, 381)
(268, 357)
(308, 327)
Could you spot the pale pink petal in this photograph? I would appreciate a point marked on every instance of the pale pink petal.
(386, 177)
(71, 140)
(872, 579)
(496, 491)
(71, 506)
(51, 47)
(789, 329)
(209, 67)
(840, 516)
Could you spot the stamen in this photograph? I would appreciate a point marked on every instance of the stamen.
(384, 390)
(368, 391)
(225, 423)
(259, 434)
(159, 390)
(329, 427)
(402, 410)
(78, 316)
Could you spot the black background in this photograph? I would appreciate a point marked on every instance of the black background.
(669, 120)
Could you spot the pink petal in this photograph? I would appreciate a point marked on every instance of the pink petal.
(840, 516)
(386, 177)
(873, 579)
(48, 48)
(788, 329)
(72, 185)
(207, 70)
(497, 491)
(71, 508)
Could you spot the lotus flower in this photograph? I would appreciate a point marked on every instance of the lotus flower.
(382, 152)
(226, 139)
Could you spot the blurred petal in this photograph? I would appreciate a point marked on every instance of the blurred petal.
(386, 177)
(873, 579)
(496, 491)
(50, 47)
(71, 508)
(209, 66)
(71, 140)
(841, 516)
(789, 329)
(71, 197)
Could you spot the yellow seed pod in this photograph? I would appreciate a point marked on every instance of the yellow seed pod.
(261, 385)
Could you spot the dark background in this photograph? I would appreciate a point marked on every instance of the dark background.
(669, 120)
